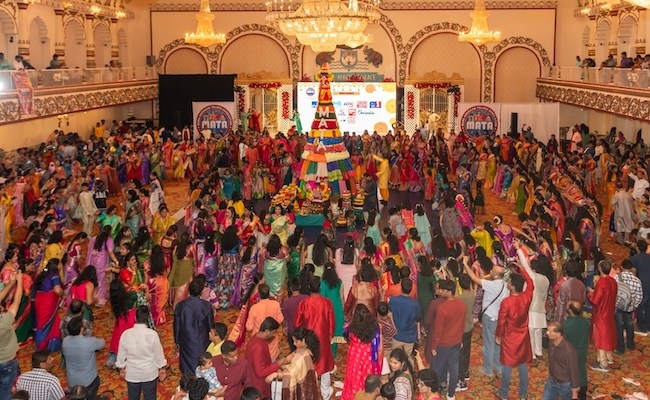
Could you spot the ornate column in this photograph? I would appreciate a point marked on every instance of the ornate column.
(59, 35)
(90, 40)
(22, 37)
(115, 48)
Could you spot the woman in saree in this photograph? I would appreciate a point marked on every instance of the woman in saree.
(111, 219)
(83, 288)
(49, 291)
(274, 263)
(100, 253)
(364, 291)
(142, 244)
(133, 166)
(24, 323)
(301, 382)
(131, 273)
(229, 263)
(123, 304)
(249, 224)
(413, 248)
(73, 257)
(168, 245)
(182, 269)
(133, 215)
(364, 352)
(280, 224)
(246, 275)
(208, 262)
(158, 286)
(54, 249)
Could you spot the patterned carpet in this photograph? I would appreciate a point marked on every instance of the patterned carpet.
(635, 364)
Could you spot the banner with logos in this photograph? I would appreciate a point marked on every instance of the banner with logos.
(25, 92)
(213, 117)
(485, 118)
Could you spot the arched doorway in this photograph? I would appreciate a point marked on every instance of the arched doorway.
(603, 32)
(39, 44)
(627, 30)
(102, 36)
(8, 42)
(75, 45)
(122, 47)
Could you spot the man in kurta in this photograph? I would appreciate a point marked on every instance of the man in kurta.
(233, 372)
(317, 314)
(192, 322)
(603, 324)
(512, 328)
(262, 369)
(624, 213)
(383, 172)
(266, 307)
(576, 332)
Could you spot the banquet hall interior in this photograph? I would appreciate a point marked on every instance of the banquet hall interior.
(531, 61)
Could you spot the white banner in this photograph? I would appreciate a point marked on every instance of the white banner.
(483, 118)
(213, 117)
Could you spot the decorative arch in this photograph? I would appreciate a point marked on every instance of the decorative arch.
(522, 75)
(42, 27)
(8, 18)
(490, 57)
(174, 45)
(75, 26)
(627, 29)
(122, 45)
(185, 51)
(418, 37)
(290, 49)
(603, 31)
(586, 36)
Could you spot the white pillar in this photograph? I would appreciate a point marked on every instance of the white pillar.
(90, 40)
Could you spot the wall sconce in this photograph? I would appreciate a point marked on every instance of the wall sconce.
(63, 118)
(119, 14)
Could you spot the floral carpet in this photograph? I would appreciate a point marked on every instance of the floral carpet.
(634, 364)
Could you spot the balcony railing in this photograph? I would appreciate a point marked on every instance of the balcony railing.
(638, 78)
(53, 78)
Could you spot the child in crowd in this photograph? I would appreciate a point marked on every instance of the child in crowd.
(217, 335)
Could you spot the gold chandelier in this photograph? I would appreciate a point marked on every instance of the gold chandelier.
(479, 33)
(324, 24)
(591, 8)
(204, 34)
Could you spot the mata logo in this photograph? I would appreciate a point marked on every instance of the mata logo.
(479, 120)
(215, 118)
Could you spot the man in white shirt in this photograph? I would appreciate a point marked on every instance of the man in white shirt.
(140, 358)
(640, 184)
(89, 209)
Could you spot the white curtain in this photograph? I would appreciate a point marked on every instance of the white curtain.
(543, 118)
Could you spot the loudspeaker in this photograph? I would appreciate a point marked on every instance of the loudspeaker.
(176, 119)
(514, 117)
(151, 60)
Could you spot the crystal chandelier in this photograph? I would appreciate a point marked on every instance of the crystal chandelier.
(204, 34)
(479, 34)
(640, 3)
(324, 24)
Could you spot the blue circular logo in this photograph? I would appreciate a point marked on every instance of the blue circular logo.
(310, 91)
(479, 120)
(215, 118)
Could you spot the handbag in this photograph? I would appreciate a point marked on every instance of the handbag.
(480, 314)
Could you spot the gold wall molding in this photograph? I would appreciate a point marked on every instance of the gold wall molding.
(619, 102)
(49, 103)
(385, 5)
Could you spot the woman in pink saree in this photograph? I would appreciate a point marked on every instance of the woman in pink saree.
(49, 291)
(158, 285)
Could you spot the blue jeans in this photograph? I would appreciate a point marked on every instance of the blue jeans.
(523, 380)
(555, 389)
(146, 389)
(624, 324)
(446, 361)
(491, 350)
(8, 373)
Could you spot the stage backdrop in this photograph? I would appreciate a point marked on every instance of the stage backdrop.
(480, 118)
(218, 117)
(177, 92)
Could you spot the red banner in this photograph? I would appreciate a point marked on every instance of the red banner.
(25, 91)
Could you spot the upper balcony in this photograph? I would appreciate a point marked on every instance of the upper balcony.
(619, 91)
(63, 91)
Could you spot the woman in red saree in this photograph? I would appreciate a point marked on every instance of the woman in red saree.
(364, 351)
(49, 291)
(123, 304)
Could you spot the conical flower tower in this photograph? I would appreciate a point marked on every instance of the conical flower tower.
(325, 160)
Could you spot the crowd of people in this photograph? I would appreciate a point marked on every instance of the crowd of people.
(85, 225)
